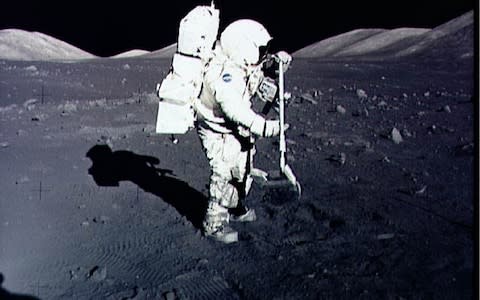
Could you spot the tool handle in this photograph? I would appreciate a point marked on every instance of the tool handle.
(281, 100)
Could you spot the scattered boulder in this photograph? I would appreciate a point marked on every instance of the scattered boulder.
(382, 104)
(75, 274)
(287, 96)
(432, 129)
(30, 104)
(421, 191)
(31, 69)
(309, 98)
(365, 112)
(341, 110)
(101, 219)
(465, 149)
(98, 103)
(170, 295)
(149, 128)
(39, 117)
(361, 94)
(396, 136)
(97, 273)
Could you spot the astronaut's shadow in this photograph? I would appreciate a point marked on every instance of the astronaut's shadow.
(110, 167)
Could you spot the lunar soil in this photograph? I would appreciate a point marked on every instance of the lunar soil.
(95, 205)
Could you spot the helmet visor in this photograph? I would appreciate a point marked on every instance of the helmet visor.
(263, 51)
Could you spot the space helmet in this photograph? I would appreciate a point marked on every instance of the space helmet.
(245, 41)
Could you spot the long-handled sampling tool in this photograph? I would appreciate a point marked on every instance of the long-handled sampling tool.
(288, 178)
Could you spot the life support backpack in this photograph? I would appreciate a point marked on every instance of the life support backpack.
(197, 35)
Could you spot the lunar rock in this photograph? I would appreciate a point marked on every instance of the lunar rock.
(309, 98)
(341, 109)
(98, 273)
(361, 94)
(396, 136)
(170, 296)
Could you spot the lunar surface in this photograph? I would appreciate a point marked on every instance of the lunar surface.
(95, 205)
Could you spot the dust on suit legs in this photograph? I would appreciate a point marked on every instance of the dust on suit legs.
(230, 178)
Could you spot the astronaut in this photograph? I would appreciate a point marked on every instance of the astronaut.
(228, 126)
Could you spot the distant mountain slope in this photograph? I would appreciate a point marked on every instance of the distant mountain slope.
(453, 39)
(166, 52)
(16, 44)
(131, 53)
(382, 42)
(335, 44)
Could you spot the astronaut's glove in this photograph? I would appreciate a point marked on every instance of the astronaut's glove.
(272, 128)
(265, 128)
(285, 58)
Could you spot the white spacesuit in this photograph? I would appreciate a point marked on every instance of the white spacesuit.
(227, 125)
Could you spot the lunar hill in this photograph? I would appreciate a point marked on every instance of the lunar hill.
(166, 52)
(16, 44)
(395, 43)
(131, 53)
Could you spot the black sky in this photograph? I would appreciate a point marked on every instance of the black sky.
(106, 28)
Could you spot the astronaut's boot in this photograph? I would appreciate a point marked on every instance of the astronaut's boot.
(216, 226)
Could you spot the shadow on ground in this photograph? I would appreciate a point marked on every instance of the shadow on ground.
(5, 295)
(110, 167)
